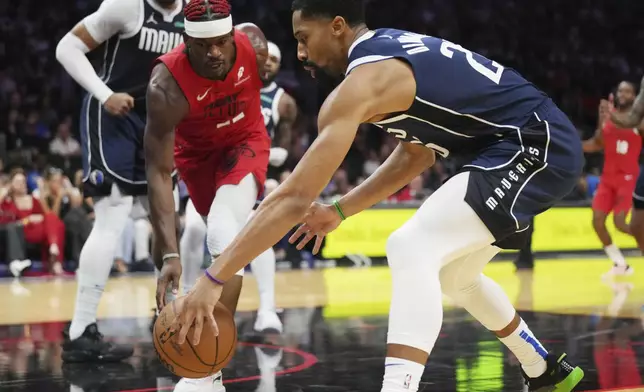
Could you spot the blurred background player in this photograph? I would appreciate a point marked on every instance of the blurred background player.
(204, 115)
(621, 168)
(280, 112)
(131, 35)
(630, 119)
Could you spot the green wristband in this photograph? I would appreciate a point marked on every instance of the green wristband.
(336, 204)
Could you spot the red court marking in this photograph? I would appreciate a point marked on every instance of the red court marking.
(308, 361)
(627, 389)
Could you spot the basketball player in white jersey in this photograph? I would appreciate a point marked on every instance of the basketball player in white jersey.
(131, 34)
(280, 111)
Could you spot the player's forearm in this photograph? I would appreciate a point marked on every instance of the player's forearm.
(591, 145)
(276, 215)
(162, 209)
(397, 171)
(71, 54)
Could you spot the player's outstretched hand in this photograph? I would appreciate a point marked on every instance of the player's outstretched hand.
(169, 277)
(119, 104)
(198, 307)
(320, 220)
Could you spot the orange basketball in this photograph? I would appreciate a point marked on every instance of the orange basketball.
(190, 361)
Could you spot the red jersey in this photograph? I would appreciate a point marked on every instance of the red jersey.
(221, 112)
(621, 151)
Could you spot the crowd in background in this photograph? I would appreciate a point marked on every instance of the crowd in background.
(571, 50)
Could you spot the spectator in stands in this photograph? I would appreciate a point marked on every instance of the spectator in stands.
(11, 235)
(64, 143)
(40, 227)
(62, 199)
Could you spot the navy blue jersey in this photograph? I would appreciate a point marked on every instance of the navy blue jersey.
(464, 101)
(271, 96)
(127, 60)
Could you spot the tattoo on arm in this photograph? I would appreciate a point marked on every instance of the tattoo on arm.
(258, 41)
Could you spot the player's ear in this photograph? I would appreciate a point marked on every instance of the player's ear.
(187, 40)
(338, 25)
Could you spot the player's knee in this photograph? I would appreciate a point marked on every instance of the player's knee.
(195, 231)
(599, 219)
(455, 286)
(408, 247)
(637, 222)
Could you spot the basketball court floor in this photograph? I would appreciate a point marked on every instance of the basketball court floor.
(335, 331)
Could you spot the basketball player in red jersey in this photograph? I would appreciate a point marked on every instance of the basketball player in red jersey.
(621, 167)
(204, 115)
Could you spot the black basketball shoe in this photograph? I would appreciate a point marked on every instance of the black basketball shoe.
(560, 376)
(91, 347)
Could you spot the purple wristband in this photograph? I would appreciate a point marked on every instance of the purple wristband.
(213, 279)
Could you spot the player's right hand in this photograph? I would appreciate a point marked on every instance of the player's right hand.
(320, 220)
(169, 277)
(119, 104)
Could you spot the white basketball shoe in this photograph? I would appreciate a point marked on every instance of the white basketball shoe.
(213, 383)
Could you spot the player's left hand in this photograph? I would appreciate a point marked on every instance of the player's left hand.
(320, 220)
(198, 307)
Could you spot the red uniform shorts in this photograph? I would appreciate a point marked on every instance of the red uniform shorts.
(615, 194)
(205, 171)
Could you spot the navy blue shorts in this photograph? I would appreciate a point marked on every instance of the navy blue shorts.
(521, 176)
(112, 151)
(638, 194)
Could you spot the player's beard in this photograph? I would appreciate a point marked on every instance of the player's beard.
(623, 106)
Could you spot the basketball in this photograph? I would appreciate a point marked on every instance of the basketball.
(190, 361)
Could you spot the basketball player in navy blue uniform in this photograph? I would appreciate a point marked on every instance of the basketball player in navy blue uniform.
(131, 34)
(278, 107)
(437, 98)
(631, 119)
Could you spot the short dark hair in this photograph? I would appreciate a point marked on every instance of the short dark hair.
(353, 11)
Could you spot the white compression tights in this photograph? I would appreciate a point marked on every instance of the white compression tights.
(228, 215)
(192, 246)
(443, 248)
(97, 255)
(192, 251)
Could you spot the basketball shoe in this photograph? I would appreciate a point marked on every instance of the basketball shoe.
(268, 321)
(560, 376)
(213, 383)
(619, 270)
(91, 347)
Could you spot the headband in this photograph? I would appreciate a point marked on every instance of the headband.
(209, 28)
(274, 50)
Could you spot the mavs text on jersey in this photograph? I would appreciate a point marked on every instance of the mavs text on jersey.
(113, 146)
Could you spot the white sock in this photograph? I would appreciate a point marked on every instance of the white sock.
(96, 259)
(615, 255)
(527, 349)
(263, 268)
(401, 375)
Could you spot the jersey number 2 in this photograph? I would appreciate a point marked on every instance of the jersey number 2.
(448, 48)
